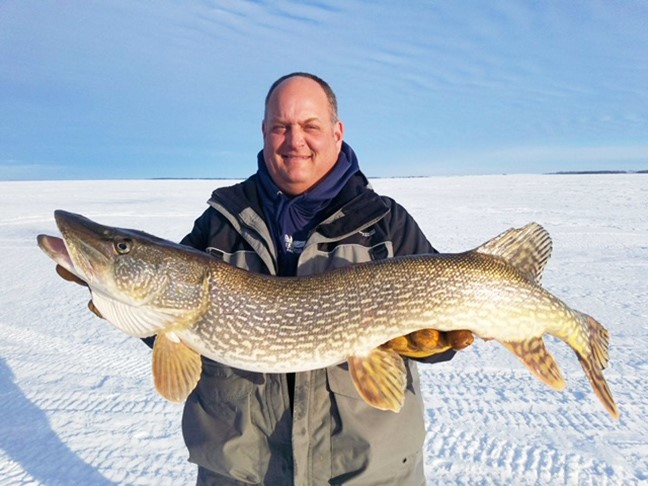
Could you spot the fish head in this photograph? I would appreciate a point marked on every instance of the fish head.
(139, 282)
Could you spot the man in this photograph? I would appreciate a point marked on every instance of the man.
(307, 209)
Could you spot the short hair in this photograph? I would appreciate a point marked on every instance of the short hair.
(328, 91)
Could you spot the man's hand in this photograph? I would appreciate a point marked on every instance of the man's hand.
(428, 342)
(70, 277)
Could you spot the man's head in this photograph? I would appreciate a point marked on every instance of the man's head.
(302, 135)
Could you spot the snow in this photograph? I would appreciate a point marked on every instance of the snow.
(76, 395)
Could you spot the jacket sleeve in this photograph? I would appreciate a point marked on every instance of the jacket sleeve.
(406, 236)
(199, 234)
(408, 239)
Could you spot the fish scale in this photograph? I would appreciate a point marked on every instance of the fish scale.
(198, 305)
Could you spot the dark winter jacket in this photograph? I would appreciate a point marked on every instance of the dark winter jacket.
(241, 427)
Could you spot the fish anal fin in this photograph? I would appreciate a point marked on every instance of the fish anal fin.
(176, 367)
(380, 378)
(527, 249)
(533, 353)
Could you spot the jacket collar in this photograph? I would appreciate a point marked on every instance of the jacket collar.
(355, 206)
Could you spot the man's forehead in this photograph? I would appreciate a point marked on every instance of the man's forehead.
(277, 118)
(300, 91)
(298, 99)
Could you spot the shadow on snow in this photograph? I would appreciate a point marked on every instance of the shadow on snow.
(27, 438)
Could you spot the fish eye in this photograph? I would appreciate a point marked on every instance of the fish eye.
(123, 246)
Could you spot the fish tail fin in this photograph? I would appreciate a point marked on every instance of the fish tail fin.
(533, 353)
(599, 340)
(597, 360)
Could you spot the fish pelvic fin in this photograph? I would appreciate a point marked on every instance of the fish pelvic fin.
(596, 362)
(533, 353)
(527, 249)
(176, 367)
(380, 378)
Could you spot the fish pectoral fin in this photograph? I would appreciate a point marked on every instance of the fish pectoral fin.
(533, 353)
(176, 367)
(380, 378)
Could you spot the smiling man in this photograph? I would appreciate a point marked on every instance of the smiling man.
(307, 209)
(301, 132)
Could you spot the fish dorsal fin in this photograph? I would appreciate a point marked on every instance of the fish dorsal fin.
(527, 249)
(380, 378)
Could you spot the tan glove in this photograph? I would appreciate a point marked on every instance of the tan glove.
(70, 277)
(428, 342)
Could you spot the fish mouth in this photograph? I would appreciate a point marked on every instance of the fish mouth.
(55, 248)
(84, 249)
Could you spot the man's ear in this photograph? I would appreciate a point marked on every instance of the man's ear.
(338, 130)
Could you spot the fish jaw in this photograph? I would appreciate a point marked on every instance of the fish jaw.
(88, 246)
(55, 248)
(126, 292)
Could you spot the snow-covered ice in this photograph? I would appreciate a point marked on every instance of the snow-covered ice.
(76, 396)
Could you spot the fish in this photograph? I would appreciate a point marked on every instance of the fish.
(197, 305)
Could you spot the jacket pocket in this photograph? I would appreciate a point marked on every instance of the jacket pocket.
(359, 452)
(222, 388)
(218, 426)
(340, 383)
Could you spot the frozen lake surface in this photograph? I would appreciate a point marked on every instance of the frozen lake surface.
(78, 404)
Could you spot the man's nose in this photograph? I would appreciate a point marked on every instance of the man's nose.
(295, 137)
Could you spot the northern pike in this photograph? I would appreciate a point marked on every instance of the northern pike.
(199, 305)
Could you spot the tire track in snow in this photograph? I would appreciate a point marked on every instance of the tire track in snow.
(498, 426)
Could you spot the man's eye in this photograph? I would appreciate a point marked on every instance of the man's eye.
(312, 128)
(278, 129)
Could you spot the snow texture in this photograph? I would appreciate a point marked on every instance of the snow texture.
(76, 395)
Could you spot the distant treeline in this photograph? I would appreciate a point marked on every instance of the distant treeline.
(578, 172)
(600, 172)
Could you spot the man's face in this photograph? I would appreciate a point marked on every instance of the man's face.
(301, 143)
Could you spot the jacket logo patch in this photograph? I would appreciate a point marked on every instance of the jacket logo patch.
(293, 246)
(215, 252)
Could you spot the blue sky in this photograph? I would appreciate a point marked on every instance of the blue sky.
(140, 89)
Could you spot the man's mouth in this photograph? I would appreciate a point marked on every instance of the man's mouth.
(295, 158)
